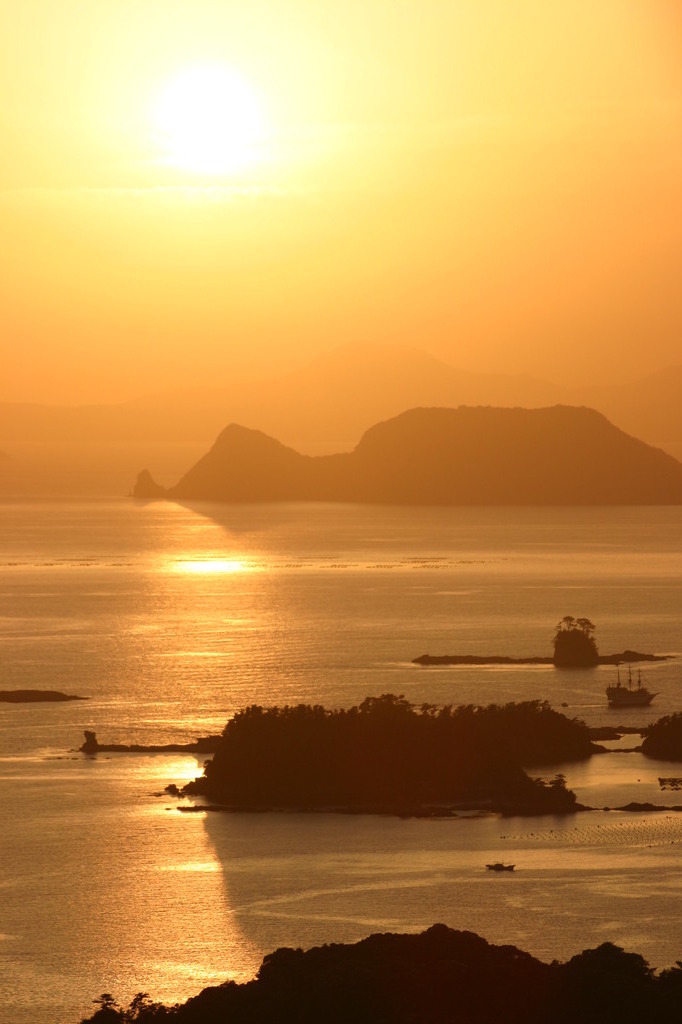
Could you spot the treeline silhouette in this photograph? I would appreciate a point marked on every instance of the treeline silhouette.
(440, 976)
(389, 755)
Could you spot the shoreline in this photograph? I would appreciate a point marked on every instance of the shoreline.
(462, 811)
(456, 811)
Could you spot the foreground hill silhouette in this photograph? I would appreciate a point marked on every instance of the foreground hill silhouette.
(476, 456)
(440, 976)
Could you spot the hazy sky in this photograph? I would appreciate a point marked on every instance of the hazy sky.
(195, 188)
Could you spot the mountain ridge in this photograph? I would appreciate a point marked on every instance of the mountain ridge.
(336, 396)
(560, 455)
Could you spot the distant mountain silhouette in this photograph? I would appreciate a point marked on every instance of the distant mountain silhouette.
(554, 456)
(341, 393)
(650, 408)
(333, 399)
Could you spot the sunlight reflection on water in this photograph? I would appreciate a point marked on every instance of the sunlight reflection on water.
(327, 878)
(211, 565)
(105, 889)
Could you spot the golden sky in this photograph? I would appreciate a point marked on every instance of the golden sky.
(191, 189)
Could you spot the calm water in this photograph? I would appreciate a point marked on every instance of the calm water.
(168, 618)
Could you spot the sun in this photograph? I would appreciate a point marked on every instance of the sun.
(208, 120)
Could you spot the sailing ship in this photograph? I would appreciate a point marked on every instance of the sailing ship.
(621, 696)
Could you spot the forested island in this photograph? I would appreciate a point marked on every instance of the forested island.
(622, 658)
(387, 755)
(441, 976)
(663, 739)
(574, 647)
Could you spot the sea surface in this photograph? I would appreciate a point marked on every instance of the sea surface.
(171, 617)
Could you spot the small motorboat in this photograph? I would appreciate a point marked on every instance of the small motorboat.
(499, 866)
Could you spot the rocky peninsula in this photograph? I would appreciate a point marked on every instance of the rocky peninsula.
(203, 745)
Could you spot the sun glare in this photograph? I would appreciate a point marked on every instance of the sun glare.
(208, 120)
(210, 565)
